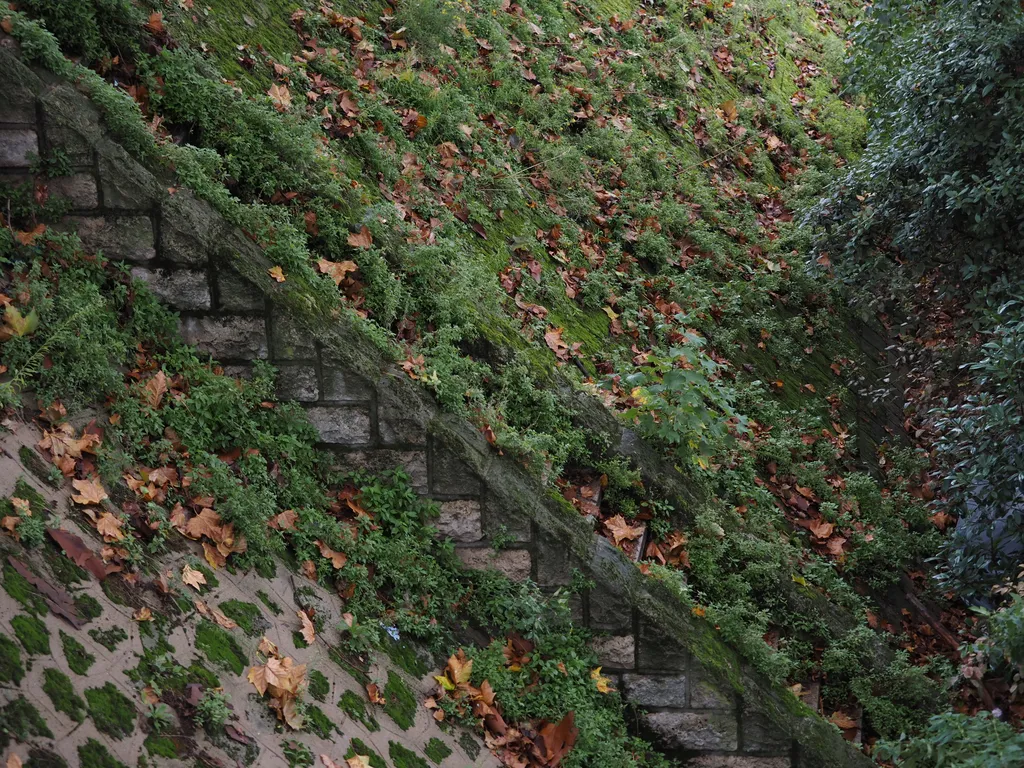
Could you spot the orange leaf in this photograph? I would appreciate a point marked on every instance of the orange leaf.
(361, 239)
(281, 97)
(308, 631)
(601, 681)
(109, 527)
(284, 521)
(338, 559)
(277, 273)
(373, 691)
(28, 237)
(89, 491)
(336, 270)
(622, 531)
(154, 389)
(842, 720)
(143, 614)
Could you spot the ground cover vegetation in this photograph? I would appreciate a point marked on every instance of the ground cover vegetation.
(512, 196)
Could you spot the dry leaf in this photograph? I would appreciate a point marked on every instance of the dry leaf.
(277, 273)
(193, 578)
(285, 521)
(89, 491)
(602, 682)
(281, 97)
(361, 239)
(154, 389)
(109, 527)
(621, 530)
(13, 761)
(336, 270)
(842, 720)
(143, 614)
(308, 632)
(373, 691)
(358, 761)
(338, 559)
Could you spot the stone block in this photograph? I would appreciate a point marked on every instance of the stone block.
(460, 521)
(654, 690)
(297, 382)
(698, 731)
(18, 147)
(227, 338)
(190, 230)
(615, 651)
(706, 695)
(499, 520)
(345, 425)
(738, 761)
(514, 563)
(18, 89)
(289, 340)
(126, 184)
(413, 462)
(401, 419)
(238, 371)
(235, 293)
(70, 123)
(553, 564)
(341, 386)
(610, 608)
(658, 651)
(182, 289)
(760, 734)
(128, 238)
(449, 475)
(79, 189)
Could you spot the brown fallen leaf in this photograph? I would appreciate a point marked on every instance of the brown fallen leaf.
(109, 527)
(361, 239)
(13, 761)
(277, 273)
(338, 559)
(75, 549)
(336, 270)
(308, 631)
(621, 530)
(89, 491)
(154, 390)
(193, 578)
(602, 682)
(57, 599)
(842, 720)
(357, 761)
(373, 691)
(214, 613)
(142, 614)
(284, 521)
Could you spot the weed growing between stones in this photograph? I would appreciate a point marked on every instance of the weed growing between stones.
(401, 704)
(436, 750)
(357, 747)
(109, 638)
(21, 720)
(92, 754)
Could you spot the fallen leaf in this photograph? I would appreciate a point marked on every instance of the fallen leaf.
(58, 600)
(281, 97)
(153, 391)
(361, 239)
(308, 631)
(622, 531)
(13, 761)
(373, 691)
(109, 527)
(75, 549)
(336, 270)
(338, 559)
(602, 682)
(357, 761)
(89, 492)
(277, 273)
(284, 521)
(193, 578)
(143, 614)
(842, 721)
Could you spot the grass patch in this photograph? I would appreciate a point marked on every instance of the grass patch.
(405, 655)
(272, 606)
(319, 685)
(220, 647)
(22, 721)
(89, 607)
(18, 588)
(59, 688)
(161, 746)
(405, 758)
(469, 745)
(401, 704)
(352, 704)
(111, 711)
(44, 758)
(11, 670)
(319, 723)
(79, 659)
(32, 633)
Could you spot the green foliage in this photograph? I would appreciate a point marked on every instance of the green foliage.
(160, 746)
(160, 717)
(297, 754)
(79, 660)
(21, 720)
(319, 685)
(401, 705)
(32, 633)
(109, 638)
(405, 758)
(59, 688)
(89, 607)
(352, 704)
(436, 750)
(18, 587)
(111, 711)
(93, 29)
(247, 615)
(92, 754)
(357, 747)
(317, 722)
(955, 740)
(212, 710)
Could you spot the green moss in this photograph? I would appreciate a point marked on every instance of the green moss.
(352, 704)
(36, 501)
(79, 659)
(319, 685)
(357, 747)
(21, 720)
(44, 758)
(92, 754)
(34, 463)
(114, 590)
(11, 670)
(58, 687)
(111, 711)
(212, 582)
(220, 647)
(273, 607)
(469, 745)
(161, 746)
(247, 616)
(32, 633)
(89, 607)
(404, 654)
(319, 723)
(18, 588)
(64, 569)
(405, 758)
(401, 704)
(299, 641)
(436, 750)
(108, 638)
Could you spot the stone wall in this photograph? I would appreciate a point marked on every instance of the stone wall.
(695, 696)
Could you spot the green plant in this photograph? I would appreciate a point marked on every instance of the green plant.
(955, 740)
(297, 754)
(212, 710)
(160, 716)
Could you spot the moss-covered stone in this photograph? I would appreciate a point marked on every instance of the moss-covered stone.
(44, 758)
(89, 607)
(469, 745)
(405, 655)
(34, 463)
(111, 711)
(247, 616)
(401, 704)
(161, 746)
(220, 647)
(79, 659)
(32, 633)
(272, 606)
(357, 747)
(92, 754)
(108, 638)
(11, 670)
(352, 704)
(436, 750)
(405, 758)
(319, 723)
(59, 688)
(20, 720)
(319, 685)
(19, 589)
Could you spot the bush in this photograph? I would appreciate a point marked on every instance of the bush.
(953, 740)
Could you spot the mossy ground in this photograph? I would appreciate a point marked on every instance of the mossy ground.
(92, 754)
(353, 705)
(61, 691)
(79, 660)
(272, 606)
(357, 747)
(109, 638)
(32, 633)
(21, 720)
(11, 670)
(89, 607)
(17, 587)
(319, 723)
(220, 647)
(44, 758)
(436, 750)
(319, 685)
(247, 616)
(160, 745)
(401, 757)
(111, 711)
(401, 704)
